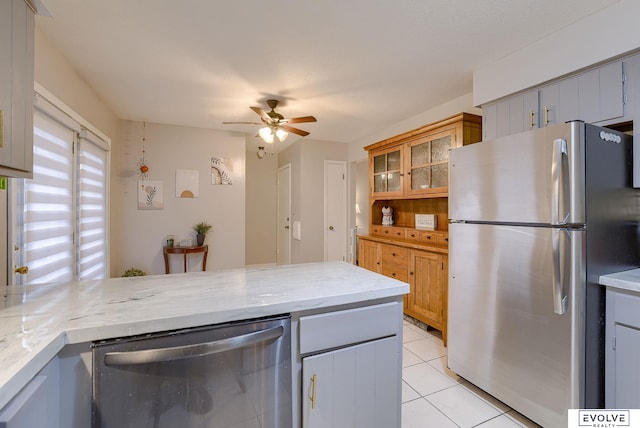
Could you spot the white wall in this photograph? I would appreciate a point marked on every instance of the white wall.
(462, 104)
(606, 34)
(168, 148)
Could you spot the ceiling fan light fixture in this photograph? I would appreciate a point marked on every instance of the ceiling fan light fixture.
(281, 134)
(266, 134)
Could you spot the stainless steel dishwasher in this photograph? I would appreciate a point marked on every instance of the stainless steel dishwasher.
(224, 376)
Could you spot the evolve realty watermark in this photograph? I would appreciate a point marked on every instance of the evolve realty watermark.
(604, 418)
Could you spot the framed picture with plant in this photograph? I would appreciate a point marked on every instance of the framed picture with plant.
(150, 195)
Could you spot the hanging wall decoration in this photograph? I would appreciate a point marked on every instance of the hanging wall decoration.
(221, 171)
(143, 167)
(187, 183)
(150, 195)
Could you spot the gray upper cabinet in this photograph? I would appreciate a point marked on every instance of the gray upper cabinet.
(601, 93)
(593, 96)
(515, 114)
(16, 88)
(632, 86)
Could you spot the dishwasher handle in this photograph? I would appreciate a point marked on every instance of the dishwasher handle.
(160, 355)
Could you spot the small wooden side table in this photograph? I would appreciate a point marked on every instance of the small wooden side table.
(184, 251)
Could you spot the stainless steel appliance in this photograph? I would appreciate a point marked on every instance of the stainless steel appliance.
(536, 218)
(233, 375)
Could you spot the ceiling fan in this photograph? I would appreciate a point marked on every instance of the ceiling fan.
(276, 125)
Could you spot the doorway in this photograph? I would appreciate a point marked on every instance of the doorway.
(335, 214)
(284, 216)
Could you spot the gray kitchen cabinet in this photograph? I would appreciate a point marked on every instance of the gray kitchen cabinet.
(549, 107)
(352, 386)
(16, 88)
(58, 396)
(622, 353)
(594, 96)
(351, 367)
(601, 93)
(37, 404)
(631, 66)
(512, 115)
(489, 121)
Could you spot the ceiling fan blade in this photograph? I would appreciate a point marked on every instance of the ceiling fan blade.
(301, 119)
(263, 114)
(241, 123)
(294, 130)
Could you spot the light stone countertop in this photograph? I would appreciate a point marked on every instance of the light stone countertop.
(626, 280)
(37, 321)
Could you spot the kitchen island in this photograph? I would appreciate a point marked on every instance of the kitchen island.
(41, 322)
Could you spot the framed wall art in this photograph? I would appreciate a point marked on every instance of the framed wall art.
(150, 195)
(187, 183)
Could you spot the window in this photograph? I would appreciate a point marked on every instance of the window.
(61, 216)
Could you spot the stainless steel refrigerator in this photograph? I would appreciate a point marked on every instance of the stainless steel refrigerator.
(535, 219)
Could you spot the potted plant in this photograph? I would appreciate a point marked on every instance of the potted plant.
(201, 231)
(133, 272)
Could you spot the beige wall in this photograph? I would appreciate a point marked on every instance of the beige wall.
(261, 206)
(168, 148)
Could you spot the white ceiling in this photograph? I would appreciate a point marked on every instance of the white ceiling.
(356, 65)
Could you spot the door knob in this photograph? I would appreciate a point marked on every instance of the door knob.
(286, 227)
(23, 270)
(330, 227)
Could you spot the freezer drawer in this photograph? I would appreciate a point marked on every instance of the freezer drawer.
(504, 333)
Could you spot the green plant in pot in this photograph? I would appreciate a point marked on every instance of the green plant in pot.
(201, 231)
(134, 272)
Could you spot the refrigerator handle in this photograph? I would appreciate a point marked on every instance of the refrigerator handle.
(559, 250)
(559, 181)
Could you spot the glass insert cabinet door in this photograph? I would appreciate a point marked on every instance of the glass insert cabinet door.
(429, 163)
(387, 170)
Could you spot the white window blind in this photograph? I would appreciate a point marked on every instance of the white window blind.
(47, 215)
(62, 211)
(92, 205)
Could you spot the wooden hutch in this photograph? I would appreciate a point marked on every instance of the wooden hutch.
(409, 173)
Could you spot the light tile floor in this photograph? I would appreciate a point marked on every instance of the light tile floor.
(434, 396)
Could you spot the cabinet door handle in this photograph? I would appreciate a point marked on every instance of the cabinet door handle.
(546, 115)
(312, 397)
(531, 116)
(393, 254)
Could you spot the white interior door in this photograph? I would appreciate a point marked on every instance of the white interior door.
(335, 214)
(284, 215)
